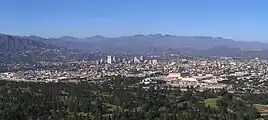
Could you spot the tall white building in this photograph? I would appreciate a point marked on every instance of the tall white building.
(136, 60)
(101, 60)
(109, 59)
(114, 59)
(141, 58)
(154, 62)
(124, 60)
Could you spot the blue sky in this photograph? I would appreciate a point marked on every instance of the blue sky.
(237, 19)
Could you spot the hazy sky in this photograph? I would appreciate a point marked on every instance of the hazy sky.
(236, 19)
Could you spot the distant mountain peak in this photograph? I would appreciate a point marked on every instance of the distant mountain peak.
(218, 38)
(68, 37)
(98, 36)
(168, 35)
(158, 34)
(95, 38)
(139, 35)
(34, 36)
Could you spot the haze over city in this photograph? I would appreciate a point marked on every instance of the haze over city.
(242, 20)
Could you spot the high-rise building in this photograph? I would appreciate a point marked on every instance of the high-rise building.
(101, 61)
(154, 62)
(114, 59)
(136, 60)
(141, 58)
(150, 61)
(109, 59)
(124, 60)
(118, 59)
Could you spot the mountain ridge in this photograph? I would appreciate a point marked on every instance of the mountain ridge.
(17, 49)
(158, 34)
(8, 42)
(141, 42)
(137, 44)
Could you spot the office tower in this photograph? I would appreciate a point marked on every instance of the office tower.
(101, 61)
(109, 59)
(118, 60)
(149, 61)
(154, 62)
(136, 60)
(114, 60)
(141, 58)
(124, 60)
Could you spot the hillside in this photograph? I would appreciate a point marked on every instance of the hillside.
(11, 43)
(22, 50)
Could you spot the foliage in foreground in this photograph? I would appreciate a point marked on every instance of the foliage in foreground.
(118, 99)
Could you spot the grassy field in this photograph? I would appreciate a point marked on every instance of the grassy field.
(262, 108)
(212, 102)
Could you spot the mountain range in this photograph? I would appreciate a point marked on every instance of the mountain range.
(137, 42)
(204, 45)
